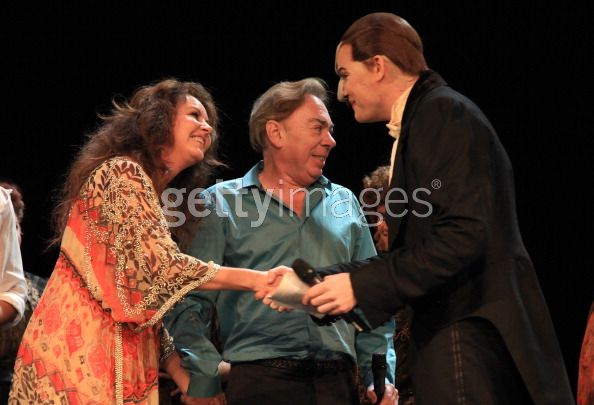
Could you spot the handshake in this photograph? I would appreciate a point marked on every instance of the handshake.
(304, 289)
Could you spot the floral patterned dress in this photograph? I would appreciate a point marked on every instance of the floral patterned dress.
(585, 391)
(94, 336)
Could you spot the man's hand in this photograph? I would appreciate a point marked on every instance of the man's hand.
(218, 400)
(390, 395)
(334, 295)
(224, 370)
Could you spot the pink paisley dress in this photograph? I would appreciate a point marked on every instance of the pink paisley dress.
(585, 391)
(94, 336)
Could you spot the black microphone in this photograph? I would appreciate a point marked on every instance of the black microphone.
(379, 369)
(310, 277)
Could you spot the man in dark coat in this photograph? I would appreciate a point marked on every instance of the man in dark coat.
(481, 325)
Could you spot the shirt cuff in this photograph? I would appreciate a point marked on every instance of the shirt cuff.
(17, 302)
(204, 387)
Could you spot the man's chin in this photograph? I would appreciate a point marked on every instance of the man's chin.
(361, 119)
(314, 176)
(365, 120)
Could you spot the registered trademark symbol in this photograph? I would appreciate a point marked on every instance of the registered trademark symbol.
(436, 184)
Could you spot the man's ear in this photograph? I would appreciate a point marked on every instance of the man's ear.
(274, 133)
(384, 69)
(379, 67)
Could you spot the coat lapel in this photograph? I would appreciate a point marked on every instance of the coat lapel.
(427, 81)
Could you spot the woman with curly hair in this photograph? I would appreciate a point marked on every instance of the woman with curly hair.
(96, 336)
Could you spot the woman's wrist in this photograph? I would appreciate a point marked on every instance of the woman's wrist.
(247, 279)
(230, 278)
(258, 280)
(166, 343)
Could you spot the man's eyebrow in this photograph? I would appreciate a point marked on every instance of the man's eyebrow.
(323, 122)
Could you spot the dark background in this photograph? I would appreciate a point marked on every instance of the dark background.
(523, 63)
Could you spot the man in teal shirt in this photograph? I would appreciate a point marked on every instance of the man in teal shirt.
(282, 209)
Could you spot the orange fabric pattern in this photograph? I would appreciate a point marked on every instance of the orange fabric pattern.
(585, 395)
(94, 336)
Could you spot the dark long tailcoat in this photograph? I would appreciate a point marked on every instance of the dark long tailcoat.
(455, 247)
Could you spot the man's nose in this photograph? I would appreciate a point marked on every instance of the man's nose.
(329, 140)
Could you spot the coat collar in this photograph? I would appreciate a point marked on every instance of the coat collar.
(428, 81)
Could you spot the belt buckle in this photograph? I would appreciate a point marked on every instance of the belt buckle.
(331, 366)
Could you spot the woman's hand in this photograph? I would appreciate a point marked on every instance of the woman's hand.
(174, 371)
(273, 279)
(269, 282)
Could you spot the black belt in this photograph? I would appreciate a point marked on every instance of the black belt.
(306, 365)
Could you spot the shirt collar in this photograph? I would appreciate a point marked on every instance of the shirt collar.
(251, 178)
(395, 124)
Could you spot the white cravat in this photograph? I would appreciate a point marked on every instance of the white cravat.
(395, 125)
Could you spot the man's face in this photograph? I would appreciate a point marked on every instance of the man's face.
(357, 86)
(306, 142)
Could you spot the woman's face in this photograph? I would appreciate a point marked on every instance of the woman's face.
(191, 135)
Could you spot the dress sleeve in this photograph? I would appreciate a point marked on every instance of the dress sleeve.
(132, 265)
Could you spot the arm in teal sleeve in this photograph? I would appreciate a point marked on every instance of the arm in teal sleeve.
(190, 324)
(209, 240)
(363, 248)
(191, 321)
(379, 340)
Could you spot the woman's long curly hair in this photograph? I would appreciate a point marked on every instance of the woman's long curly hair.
(141, 129)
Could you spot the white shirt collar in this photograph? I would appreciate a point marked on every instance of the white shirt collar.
(395, 124)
